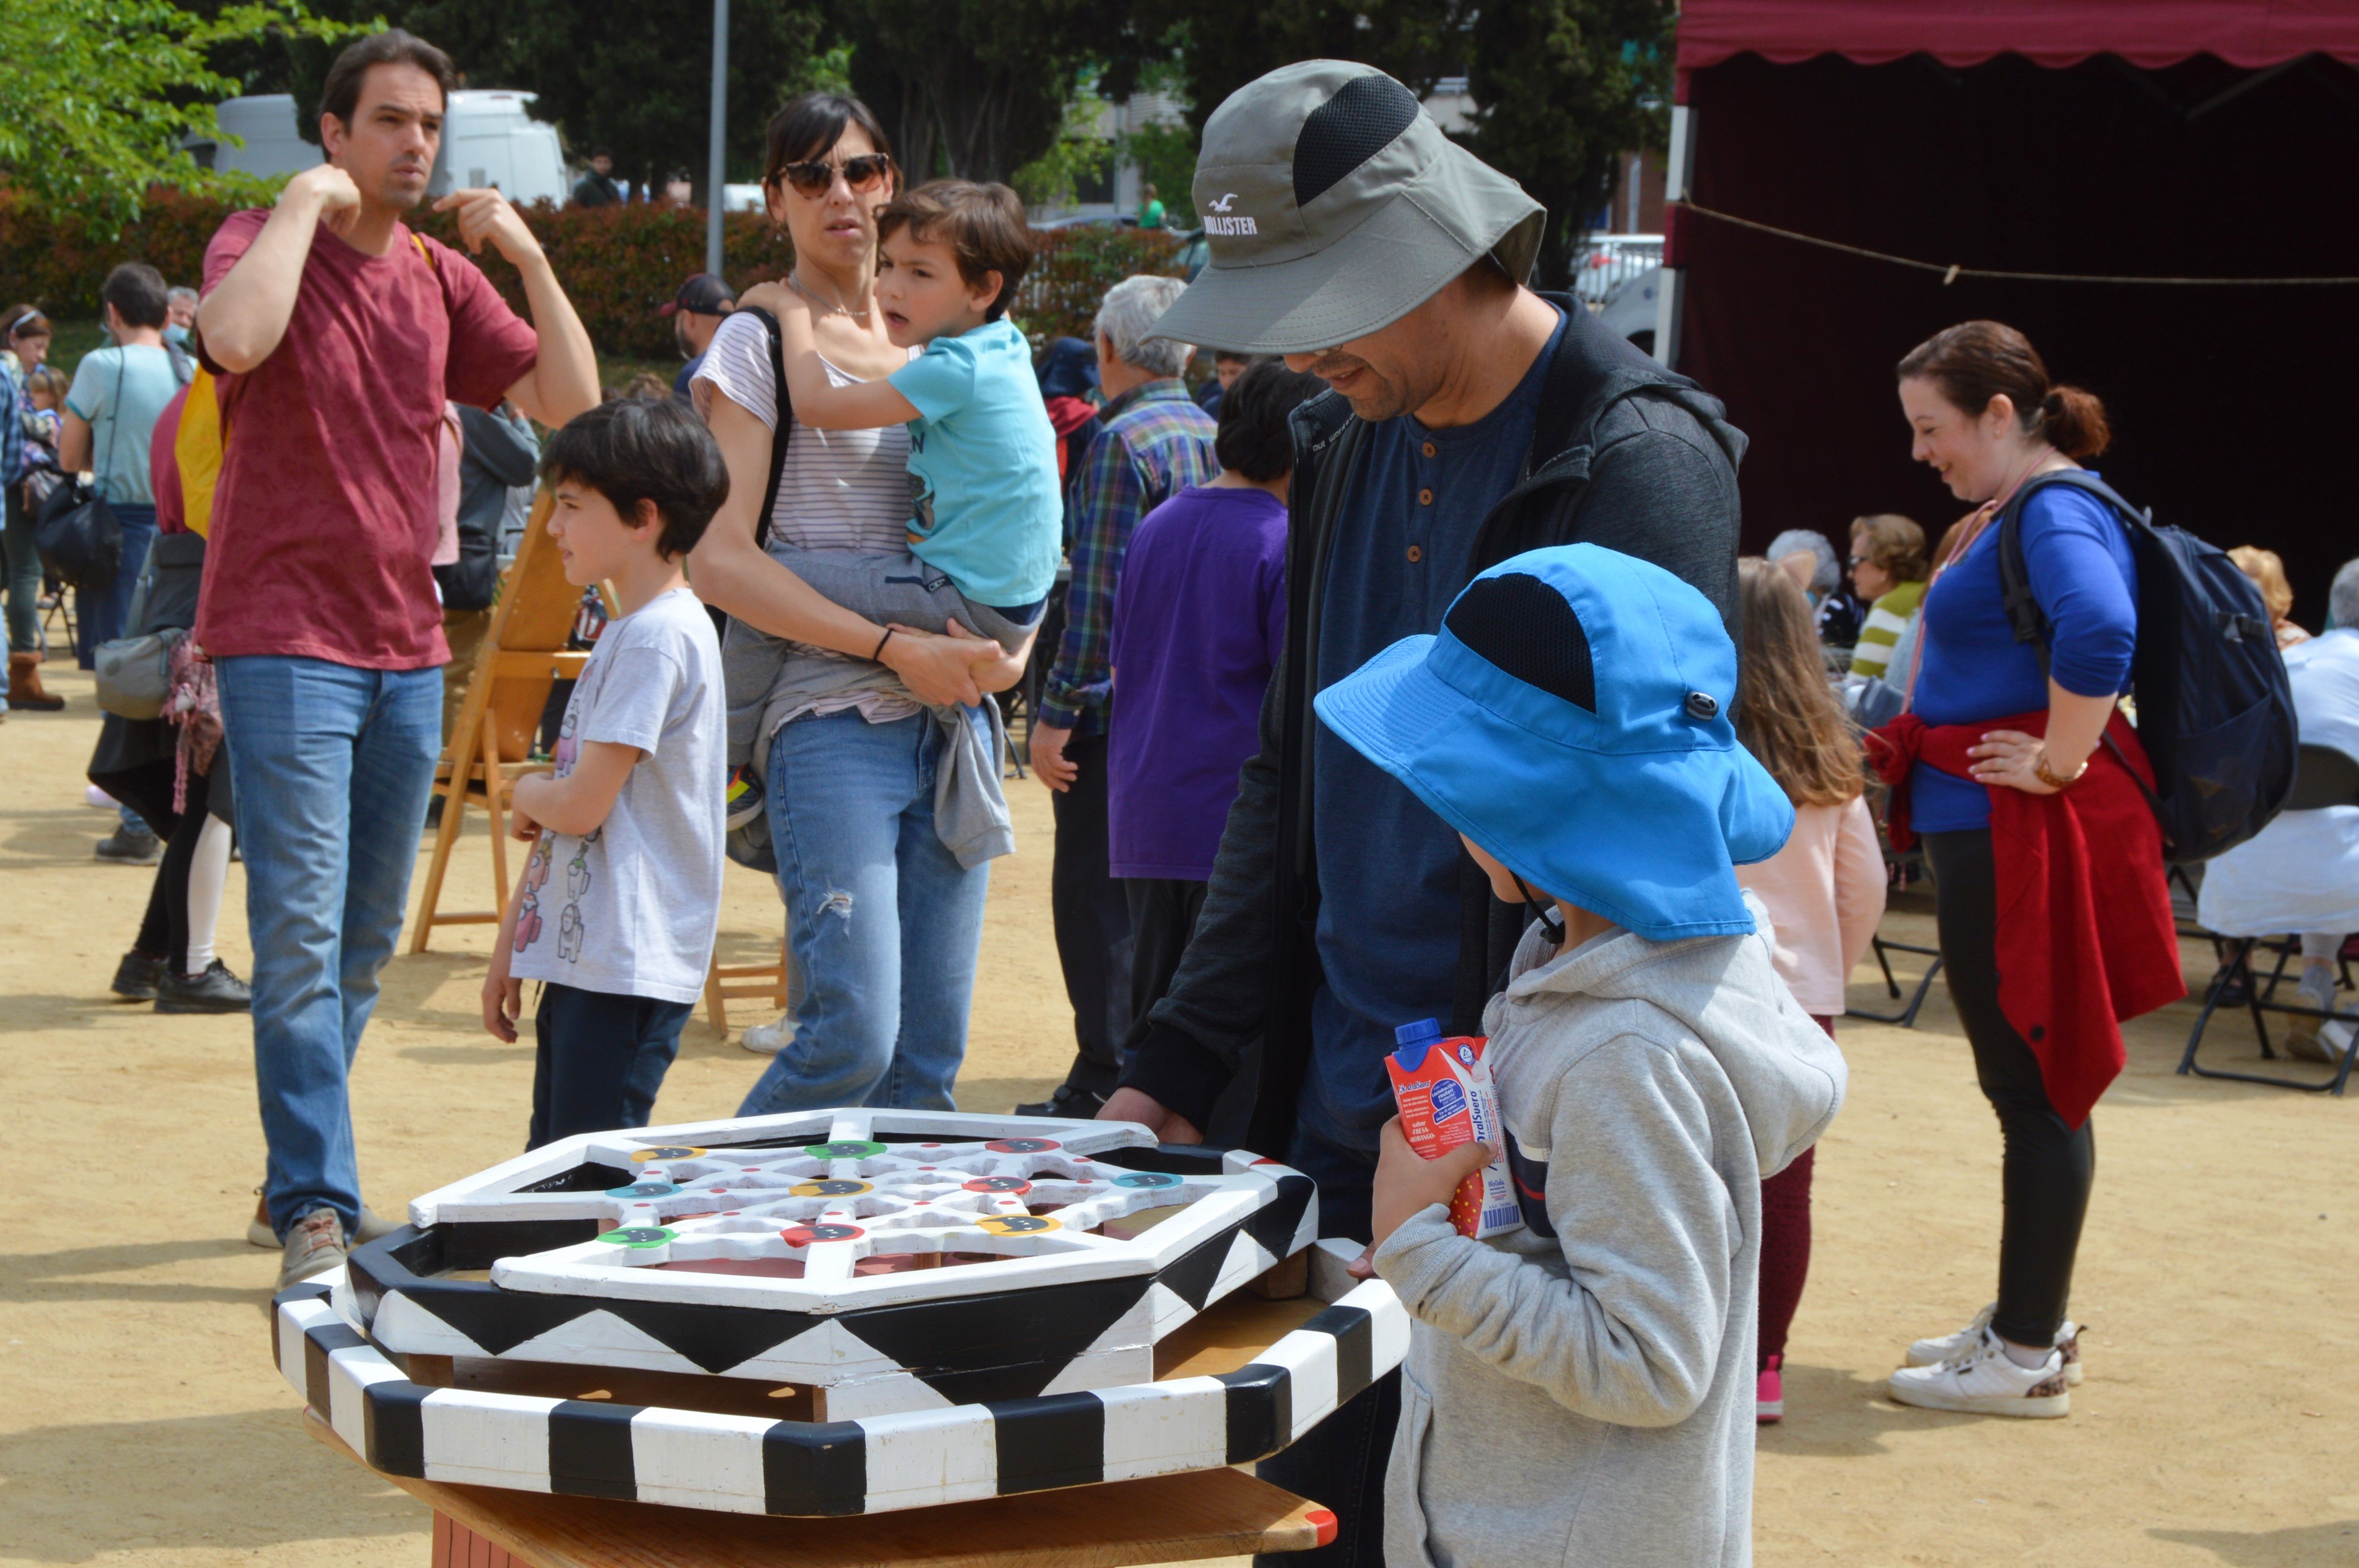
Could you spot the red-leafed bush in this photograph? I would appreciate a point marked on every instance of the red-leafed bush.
(618, 263)
(1059, 296)
(53, 259)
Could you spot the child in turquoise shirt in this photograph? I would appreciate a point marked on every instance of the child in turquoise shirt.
(987, 512)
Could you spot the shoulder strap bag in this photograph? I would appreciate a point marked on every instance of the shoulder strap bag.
(77, 535)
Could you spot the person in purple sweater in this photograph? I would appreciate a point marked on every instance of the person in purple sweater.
(1198, 621)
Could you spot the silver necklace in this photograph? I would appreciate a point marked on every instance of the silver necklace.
(800, 287)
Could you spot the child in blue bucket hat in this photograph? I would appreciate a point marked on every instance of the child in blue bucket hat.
(1581, 1389)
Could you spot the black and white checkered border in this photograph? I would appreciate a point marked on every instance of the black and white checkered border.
(871, 1465)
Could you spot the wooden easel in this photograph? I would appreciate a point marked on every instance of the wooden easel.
(522, 655)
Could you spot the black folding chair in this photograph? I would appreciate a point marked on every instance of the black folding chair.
(1898, 869)
(2324, 778)
(1907, 1017)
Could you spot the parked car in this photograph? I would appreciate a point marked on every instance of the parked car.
(1609, 261)
(488, 139)
(1089, 221)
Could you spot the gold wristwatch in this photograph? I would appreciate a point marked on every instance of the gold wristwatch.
(2039, 771)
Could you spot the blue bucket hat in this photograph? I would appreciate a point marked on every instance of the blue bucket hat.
(1572, 719)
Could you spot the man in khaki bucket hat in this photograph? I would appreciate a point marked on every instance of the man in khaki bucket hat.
(1469, 419)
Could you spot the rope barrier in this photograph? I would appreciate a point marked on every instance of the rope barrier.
(1950, 274)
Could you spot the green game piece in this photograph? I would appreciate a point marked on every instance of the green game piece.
(638, 1235)
(848, 1149)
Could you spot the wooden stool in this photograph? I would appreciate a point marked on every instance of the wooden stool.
(521, 657)
(761, 980)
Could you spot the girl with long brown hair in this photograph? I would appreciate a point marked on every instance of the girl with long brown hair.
(1824, 890)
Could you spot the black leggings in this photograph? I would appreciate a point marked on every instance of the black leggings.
(2046, 1167)
(164, 930)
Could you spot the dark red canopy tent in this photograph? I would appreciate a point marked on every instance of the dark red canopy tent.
(2125, 140)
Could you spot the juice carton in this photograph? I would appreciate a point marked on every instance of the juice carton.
(1443, 1090)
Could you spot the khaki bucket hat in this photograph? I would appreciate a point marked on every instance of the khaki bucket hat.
(1333, 206)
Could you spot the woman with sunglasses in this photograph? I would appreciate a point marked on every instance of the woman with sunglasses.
(884, 922)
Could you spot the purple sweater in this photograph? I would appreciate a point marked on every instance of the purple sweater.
(1198, 621)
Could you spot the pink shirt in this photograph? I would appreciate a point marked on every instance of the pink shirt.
(1825, 894)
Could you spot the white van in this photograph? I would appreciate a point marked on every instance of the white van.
(487, 139)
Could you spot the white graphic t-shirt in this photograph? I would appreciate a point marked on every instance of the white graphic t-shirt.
(631, 908)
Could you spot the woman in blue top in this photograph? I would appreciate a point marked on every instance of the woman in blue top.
(1986, 419)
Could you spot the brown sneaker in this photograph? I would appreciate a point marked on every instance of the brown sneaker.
(315, 1244)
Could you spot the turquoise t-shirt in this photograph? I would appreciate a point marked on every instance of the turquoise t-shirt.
(121, 392)
(983, 467)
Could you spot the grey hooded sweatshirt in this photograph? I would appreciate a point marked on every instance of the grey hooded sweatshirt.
(1580, 1391)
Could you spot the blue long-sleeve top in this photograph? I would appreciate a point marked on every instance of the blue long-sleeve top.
(2083, 574)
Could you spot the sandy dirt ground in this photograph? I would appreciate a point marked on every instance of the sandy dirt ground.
(141, 1422)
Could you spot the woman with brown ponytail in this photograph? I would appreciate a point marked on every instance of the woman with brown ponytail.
(2011, 775)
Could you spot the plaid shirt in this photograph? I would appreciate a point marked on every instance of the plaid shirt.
(1153, 441)
(12, 404)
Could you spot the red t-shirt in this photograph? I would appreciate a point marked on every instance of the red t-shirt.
(324, 512)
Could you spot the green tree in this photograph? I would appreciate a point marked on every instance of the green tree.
(1220, 45)
(97, 96)
(637, 79)
(634, 79)
(1562, 87)
(1078, 154)
(980, 88)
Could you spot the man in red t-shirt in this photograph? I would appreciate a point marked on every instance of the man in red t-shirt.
(337, 335)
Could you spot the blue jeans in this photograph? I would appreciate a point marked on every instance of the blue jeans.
(103, 614)
(331, 767)
(599, 1060)
(885, 923)
(23, 576)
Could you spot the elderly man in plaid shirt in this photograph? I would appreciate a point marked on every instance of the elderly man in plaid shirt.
(1152, 442)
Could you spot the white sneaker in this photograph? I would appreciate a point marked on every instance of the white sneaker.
(769, 1039)
(96, 799)
(1933, 1351)
(1983, 1381)
(2304, 1034)
(2334, 1039)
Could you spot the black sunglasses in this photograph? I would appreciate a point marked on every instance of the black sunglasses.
(861, 174)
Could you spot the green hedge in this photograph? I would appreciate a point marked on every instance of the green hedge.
(618, 263)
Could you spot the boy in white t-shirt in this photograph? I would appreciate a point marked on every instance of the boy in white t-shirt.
(615, 911)
(987, 512)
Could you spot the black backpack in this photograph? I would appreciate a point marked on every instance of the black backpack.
(2215, 711)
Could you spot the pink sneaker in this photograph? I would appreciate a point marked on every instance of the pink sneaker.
(1770, 1397)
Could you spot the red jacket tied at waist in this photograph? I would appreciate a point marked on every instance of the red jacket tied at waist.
(2066, 980)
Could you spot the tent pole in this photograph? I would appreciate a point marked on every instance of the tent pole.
(1675, 189)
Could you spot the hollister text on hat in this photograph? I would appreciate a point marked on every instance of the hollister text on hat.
(1334, 206)
(1570, 718)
